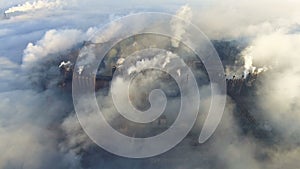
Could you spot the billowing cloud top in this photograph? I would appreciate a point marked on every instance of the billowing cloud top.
(38, 128)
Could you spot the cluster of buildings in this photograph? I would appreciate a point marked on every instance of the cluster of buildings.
(240, 86)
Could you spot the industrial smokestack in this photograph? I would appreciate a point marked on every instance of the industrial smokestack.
(113, 69)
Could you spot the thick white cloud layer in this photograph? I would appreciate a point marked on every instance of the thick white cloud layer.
(53, 42)
(39, 130)
(280, 53)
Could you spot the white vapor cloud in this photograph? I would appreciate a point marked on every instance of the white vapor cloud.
(36, 5)
(235, 19)
(30, 118)
(53, 42)
(280, 53)
(38, 126)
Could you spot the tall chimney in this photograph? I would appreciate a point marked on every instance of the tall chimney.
(113, 69)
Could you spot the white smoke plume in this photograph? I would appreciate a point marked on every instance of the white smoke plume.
(178, 26)
(54, 41)
(35, 5)
(248, 65)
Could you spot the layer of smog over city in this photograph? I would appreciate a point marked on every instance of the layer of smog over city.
(195, 84)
